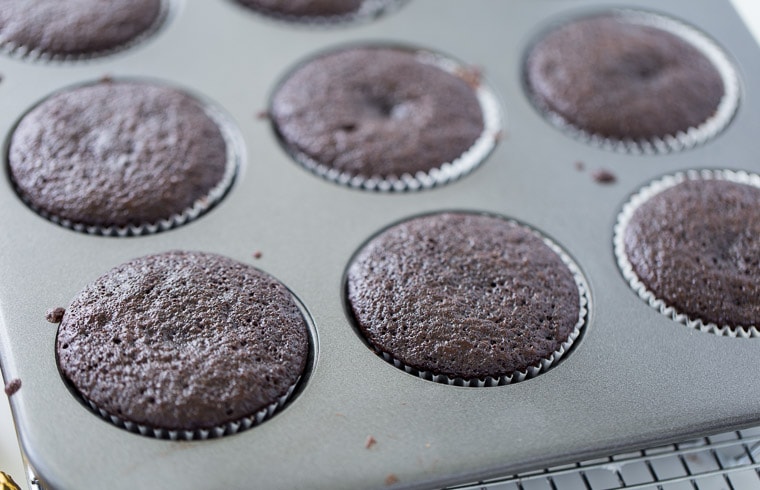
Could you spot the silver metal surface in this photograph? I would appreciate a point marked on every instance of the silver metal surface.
(634, 379)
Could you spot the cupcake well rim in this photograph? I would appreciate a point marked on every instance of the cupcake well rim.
(670, 143)
(626, 268)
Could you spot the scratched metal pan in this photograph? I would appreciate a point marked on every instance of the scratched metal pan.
(634, 379)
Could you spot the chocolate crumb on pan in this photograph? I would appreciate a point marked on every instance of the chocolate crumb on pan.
(197, 346)
(55, 315)
(391, 479)
(466, 299)
(390, 118)
(70, 31)
(12, 387)
(371, 441)
(671, 86)
(603, 176)
(689, 245)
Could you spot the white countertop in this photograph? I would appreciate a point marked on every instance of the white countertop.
(10, 457)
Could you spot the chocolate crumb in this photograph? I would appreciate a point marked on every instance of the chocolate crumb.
(262, 115)
(106, 79)
(391, 479)
(371, 441)
(257, 254)
(12, 387)
(472, 75)
(603, 176)
(580, 166)
(55, 315)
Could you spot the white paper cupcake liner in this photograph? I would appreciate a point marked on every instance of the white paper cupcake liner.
(234, 147)
(534, 370)
(226, 429)
(21, 52)
(369, 10)
(445, 173)
(626, 268)
(683, 140)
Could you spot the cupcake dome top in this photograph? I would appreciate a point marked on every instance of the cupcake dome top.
(75, 27)
(696, 247)
(621, 76)
(183, 341)
(114, 154)
(310, 8)
(463, 295)
(376, 112)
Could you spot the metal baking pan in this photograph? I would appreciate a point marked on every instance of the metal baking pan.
(635, 378)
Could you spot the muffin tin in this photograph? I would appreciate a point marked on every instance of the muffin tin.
(634, 379)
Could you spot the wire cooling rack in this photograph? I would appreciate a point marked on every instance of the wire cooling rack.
(728, 461)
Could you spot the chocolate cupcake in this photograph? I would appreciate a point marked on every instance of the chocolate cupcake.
(385, 118)
(75, 29)
(121, 158)
(183, 345)
(466, 299)
(321, 11)
(689, 245)
(632, 81)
